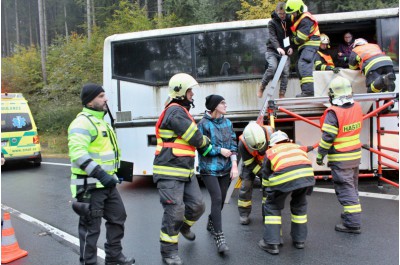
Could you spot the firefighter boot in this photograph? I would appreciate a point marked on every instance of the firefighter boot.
(120, 261)
(270, 248)
(210, 226)
(346, 229)
(173, 260)
(389, 79)
(244, 220)
(298, 245)
(186, 233)
(221, 243)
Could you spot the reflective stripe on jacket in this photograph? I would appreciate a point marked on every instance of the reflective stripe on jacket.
(328, 61)
(314, 31)
(366, 52)
(90, 137)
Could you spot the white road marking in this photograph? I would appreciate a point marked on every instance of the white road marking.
(49, 228)
(57, 164)
(363, 194)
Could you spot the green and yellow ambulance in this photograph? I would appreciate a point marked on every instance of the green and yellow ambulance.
(19, 137)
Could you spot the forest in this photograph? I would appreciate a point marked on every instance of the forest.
(51, 47)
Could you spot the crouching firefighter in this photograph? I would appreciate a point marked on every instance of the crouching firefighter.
(95, 159)
(252, 146)
(173, 168)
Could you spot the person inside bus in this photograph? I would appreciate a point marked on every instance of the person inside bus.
(286, 170)
(306, 36)
(324, 61)
(344, 50)
(374, 64)
(278, 44)
(252, 147)
(173, 167)
(340, 141)
(219, 166)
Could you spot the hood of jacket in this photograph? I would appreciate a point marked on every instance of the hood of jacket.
(207, 115)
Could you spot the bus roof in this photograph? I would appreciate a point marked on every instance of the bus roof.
(342, 17)
(12, 96)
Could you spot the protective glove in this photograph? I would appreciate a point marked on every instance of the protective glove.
(319, 160)
(106, 180)
(336, 70)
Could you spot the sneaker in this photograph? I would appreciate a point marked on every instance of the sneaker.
(345, 229)
(173, 260)
(304, 95)
(270, 248)
(244, 220)
(298, 245)
(186, 233)
(121, 261)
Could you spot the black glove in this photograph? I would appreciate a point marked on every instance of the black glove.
(336, 70)
(319, 160)
(107, 180)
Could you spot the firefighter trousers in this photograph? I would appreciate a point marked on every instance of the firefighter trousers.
(246, 192)
(273, 206)
(183, 203)
(104, 203)
(345, 182)
(305, 67)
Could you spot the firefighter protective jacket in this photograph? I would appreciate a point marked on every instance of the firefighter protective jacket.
(90, 137)
(177, 139)
(368, 57)
(306, 31)
(341, 128)
(323, 61)
(287, 167)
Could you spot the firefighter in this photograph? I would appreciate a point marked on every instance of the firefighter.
(252, 146)
(286, 170)
(374, 64)
(341, 127)
(324, 61)
(173, 168)
(306, 36)
(95, 158)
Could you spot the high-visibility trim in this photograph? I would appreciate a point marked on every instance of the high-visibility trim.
(256, 169)
(374, 61)
(82, 181)
(190, 132)
(344, 157)
(248, 161)
(190, 223)
(330, 129)
(306, 79)
(170, 239)
(348, 143)
(299, 219)
(298, 159)
(165, 133)
(325, 145)
(264, 199)
(273, 220)
(244, 204)
(375, 90)
(356, 208)
(367, 51)
(173, 171)
(289, 176)
(328, 59)
(208, 150)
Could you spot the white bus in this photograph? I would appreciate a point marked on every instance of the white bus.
(227, 59)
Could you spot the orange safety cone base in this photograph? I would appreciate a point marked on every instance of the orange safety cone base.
(10, 250)
(11, 253)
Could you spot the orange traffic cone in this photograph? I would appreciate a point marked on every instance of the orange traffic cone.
(10, 250)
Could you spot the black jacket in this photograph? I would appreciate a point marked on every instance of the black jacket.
(277, 32)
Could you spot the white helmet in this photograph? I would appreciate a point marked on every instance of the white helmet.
(324, 38)
(254, 136)
(179, 84)
(340, 91)
(277, 137)
(359, 41)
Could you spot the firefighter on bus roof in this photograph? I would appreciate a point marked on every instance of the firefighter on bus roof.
(341, 127)
(306, 36)
(252, 146)
(286, 170)
(324, 61)
(173, 167)
(374, 64)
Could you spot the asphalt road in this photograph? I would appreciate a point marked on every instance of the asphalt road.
(43, 195)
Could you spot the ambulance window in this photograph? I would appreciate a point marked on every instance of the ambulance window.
(15, 122)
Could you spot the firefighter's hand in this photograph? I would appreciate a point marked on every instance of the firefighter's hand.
(320, 160)
(105, 179)
(336, 70)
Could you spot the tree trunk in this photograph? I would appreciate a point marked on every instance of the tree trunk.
(45, 26)
(6, 44)
(65, 23)
(30, 25)
(42, 40)
(93, 15)
(89, 22)
(146, 6)
(17, 22)
(159, 8)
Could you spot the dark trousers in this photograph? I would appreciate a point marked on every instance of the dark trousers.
(217, 187)
(273, 206)
(273, 61)
(375, 83)
(346, 187)
(106, 203)
(246, 192)
(305, 67)
(182, 202)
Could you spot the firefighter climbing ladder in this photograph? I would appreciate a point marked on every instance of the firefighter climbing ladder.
(389, 99)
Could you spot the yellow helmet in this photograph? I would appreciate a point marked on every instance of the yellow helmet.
(277, 137)
(340, 91)
(294, 6)
(254, 136)
(179, 84)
